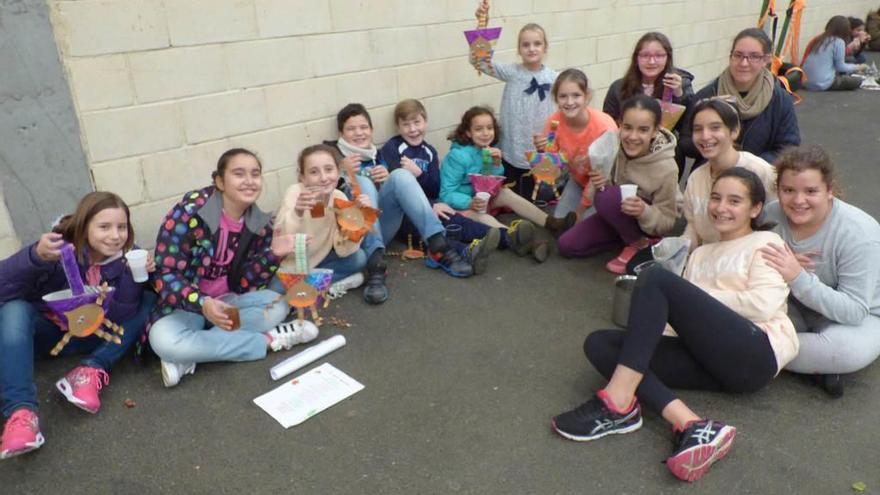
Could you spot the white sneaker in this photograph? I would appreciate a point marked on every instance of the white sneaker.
(173, 372)
(287, 335)
(338, 289)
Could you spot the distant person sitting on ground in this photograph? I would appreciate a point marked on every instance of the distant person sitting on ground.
(305, 209)
(215, 260)
(409, 150)
(476, 134)
(749, 340)
(578, 127)
(100, 233)
(769, 123)
(860, 40)
(831, 262)
(651, 72)
(645, 162)
(825, 65)
(715, 127)
(872, 27)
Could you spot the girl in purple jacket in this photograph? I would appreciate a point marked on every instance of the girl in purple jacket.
(100, 233)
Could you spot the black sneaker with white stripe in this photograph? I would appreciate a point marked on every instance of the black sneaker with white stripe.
(594, 419)
(698, 446)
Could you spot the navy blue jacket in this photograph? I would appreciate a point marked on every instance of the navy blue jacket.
(396, 147)
(765, 135)
(25, 276)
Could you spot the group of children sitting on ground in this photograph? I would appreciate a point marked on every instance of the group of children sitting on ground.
(787, 274)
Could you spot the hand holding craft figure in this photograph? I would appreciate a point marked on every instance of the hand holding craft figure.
(482, 40)
(546, 166)
(87, 320)
(355, 218)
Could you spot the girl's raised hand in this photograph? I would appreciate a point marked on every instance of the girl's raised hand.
(49, 246)
(673, 81)
(305, 201)
(353, 162)
(633, 206)
(540, 142)
(363, 201)
(597, 179)
(496, 154)
(282, 244)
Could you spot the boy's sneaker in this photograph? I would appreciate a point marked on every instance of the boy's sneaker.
(557, 226)
(450, 261)
(287, 335)
(700, 444)
(375, 291)
(338, 289)
(173, 372)
(596, 418)
(81, 386)
(480, 249)
(521, 237)
(21, 434)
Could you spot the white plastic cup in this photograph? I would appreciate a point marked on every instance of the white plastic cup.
(628, 191)
(485, 197)
(137, 262)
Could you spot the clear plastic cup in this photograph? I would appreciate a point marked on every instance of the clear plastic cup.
(137, 263)
(486, 197)
(231, 309)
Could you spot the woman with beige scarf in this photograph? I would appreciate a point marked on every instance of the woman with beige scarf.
(769, 123)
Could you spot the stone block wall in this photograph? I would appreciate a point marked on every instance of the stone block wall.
(162, 87)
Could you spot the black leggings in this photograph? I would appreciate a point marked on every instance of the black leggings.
(716, 349)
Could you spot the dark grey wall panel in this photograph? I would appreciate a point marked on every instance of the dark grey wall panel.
(43, 168)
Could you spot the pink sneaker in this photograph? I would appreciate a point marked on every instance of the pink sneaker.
(21, 434)
(81, 386)
(618, 264)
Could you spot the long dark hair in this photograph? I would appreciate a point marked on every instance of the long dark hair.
(74, 228)
(632, 80)
(227, 155)
(756, 34)
(837, 27)
(459, 135)
(643, 102)
(756, 191)
(727, 110)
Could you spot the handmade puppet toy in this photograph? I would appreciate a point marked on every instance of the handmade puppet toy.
(482, 40)
(80, 310)
(671, 112)
(547, 167)
(304, 290)
(354, 221)
(485, 181)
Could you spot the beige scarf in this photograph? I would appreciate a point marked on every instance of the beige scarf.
(758, 97)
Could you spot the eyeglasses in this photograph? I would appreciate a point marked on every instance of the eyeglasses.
(753, 58)
(656, 56)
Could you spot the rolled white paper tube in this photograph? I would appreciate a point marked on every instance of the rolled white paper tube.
(306, 357)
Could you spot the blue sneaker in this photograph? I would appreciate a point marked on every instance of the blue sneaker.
(451, 262)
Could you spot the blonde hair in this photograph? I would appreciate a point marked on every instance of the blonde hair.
(532, 27)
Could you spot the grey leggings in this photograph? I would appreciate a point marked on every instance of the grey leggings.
(829, 347)
(845, 83)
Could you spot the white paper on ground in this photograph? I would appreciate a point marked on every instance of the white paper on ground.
(308, 394)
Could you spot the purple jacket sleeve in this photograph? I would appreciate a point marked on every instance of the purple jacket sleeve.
(21, 272)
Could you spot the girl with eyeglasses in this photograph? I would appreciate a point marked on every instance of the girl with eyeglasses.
(650, 72)
(769, 123)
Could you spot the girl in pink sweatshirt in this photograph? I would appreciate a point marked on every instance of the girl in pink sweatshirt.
(732, 334)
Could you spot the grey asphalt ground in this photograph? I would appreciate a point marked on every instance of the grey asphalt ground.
(462, 377)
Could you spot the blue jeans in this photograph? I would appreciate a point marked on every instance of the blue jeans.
(26, 333)
(184, 337)
(399, 196)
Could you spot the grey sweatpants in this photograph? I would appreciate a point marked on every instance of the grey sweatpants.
(828, 347)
